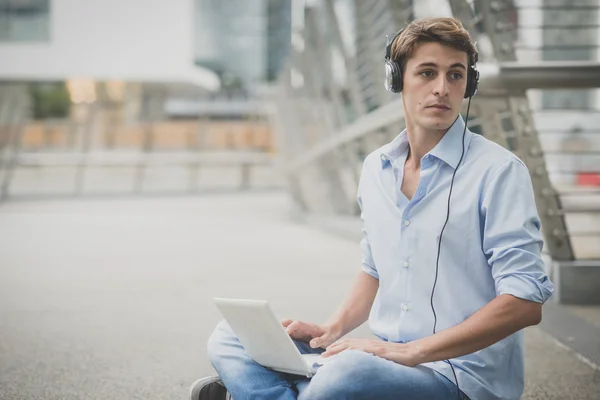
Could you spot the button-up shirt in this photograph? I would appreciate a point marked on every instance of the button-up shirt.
(491, 246)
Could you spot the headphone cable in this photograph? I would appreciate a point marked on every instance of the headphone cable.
(440, 242)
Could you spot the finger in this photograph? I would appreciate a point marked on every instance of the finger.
(331, 351)
(335, 348)
(340, 342)
(292, 327)
(320, 341)
(286, 322)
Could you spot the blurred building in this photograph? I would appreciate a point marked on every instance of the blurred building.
(231, 38)
(196, 43)
(145, 59)
(117, 68)
(242, 40)
(128, 40)
(245, 42)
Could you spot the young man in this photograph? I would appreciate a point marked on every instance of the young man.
(447, 309)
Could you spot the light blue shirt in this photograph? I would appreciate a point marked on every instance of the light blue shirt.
(491, 246)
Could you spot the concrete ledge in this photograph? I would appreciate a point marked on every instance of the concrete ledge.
(577, 282)
(573, 331)
(134, 158)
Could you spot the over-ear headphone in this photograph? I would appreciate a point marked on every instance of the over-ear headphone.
(393, 72)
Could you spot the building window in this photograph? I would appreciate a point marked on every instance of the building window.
(24, 20)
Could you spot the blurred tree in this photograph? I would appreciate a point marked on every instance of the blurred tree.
(50, 100)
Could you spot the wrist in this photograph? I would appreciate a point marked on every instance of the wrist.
(409, 354)
(417, 352)
(333, 329)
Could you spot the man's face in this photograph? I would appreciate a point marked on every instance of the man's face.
(435, 79)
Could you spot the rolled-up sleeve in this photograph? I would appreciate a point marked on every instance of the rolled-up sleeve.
(368, 265)
(511, 234)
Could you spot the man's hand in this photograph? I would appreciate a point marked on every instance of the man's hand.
(401, 353)
(316, 335)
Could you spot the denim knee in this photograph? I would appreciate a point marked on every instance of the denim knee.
(217, 340)
(341, 377)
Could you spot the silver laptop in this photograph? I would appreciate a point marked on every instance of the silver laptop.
(264, 338)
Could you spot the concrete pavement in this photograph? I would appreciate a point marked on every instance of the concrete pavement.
(111, 299)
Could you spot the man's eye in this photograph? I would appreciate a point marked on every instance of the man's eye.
(456, 75)
(427, 74)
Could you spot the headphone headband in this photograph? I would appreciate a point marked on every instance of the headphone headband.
(388, 44)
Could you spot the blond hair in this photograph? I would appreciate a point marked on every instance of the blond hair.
(446, 31)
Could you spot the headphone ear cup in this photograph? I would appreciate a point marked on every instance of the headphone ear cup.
(472, 83)
(393, 76)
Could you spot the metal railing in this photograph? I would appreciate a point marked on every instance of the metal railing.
(95, 151)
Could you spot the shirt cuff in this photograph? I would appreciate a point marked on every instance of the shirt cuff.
(370, 270)
(526, 287)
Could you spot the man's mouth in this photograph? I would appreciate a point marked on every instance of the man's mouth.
(439, 106)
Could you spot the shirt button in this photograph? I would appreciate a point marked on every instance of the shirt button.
(406, 264)
(407, 222)
(405, 307)
(383, 157)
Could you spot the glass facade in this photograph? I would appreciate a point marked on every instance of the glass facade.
(279, 35)
(24, 20)
(244, 41)
(231, 38)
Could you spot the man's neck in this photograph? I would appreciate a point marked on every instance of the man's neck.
(421, 142)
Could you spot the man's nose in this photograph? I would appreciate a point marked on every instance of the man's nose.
(441, 85)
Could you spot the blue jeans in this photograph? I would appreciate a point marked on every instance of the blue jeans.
(351, 374)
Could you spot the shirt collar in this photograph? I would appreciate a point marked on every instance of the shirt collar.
(394, 149)
(449, 149)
